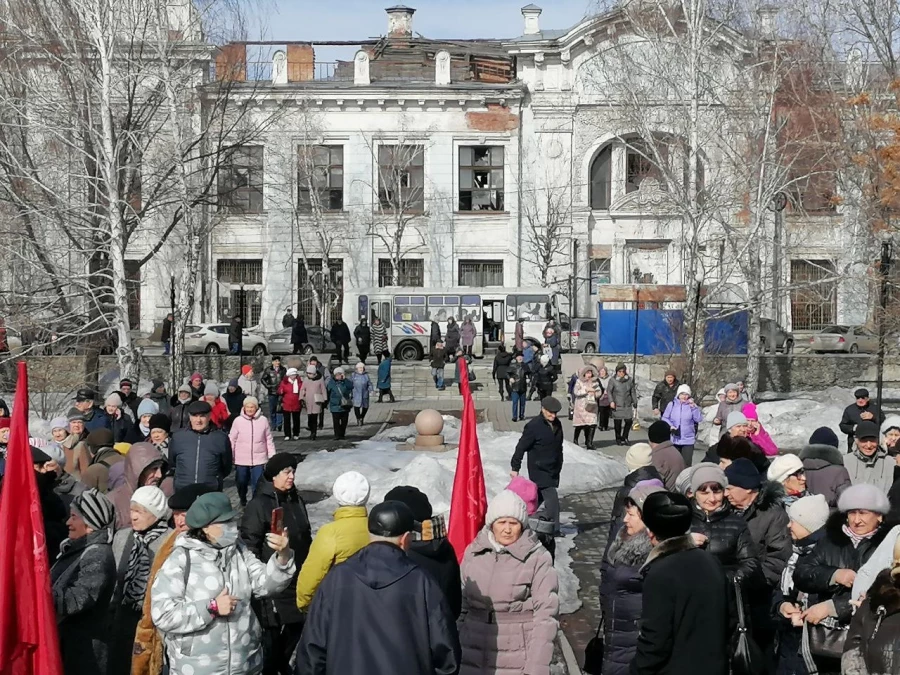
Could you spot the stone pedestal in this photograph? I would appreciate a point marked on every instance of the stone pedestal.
(429, 425)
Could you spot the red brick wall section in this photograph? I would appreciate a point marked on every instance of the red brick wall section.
(231, 63)
(301, 60)
(496, 118)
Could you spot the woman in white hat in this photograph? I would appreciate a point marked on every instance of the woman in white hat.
(788, 470)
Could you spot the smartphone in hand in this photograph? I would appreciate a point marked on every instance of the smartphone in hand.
(277, 520)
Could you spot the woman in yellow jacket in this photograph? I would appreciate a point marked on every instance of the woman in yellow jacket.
(338, 540)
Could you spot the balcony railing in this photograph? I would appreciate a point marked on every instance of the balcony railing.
(262, 71)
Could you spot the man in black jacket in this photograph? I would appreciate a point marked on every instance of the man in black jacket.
(270, 380)
(201, 454)
(542, 439)
(165, 335)
(281, 620)
(363, 335)
(380, 587)
(299, 335)
(664, 393)
(684, 617)
(340, 335)
(235, 335)
(861, 411)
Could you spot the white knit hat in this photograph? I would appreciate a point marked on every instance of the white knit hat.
(292, 371)
(782, 467)
(507, 504)
(638, 455)
(683, 389)
(544, 360)
(351, 489)
(153, 499)
(811, 512)
(114, 399)
(734, 418)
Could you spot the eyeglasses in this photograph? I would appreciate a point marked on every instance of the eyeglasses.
(711, 488)
(798, 473)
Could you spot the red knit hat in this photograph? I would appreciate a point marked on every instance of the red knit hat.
(5, 422)
(246, 369)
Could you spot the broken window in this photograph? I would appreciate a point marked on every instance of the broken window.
(480, 178)
(401, 178)
(241, 180)
(639, 165)
(320, 178)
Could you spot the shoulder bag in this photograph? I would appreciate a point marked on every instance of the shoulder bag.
(593, 653)
(746, 658)
(826, 638)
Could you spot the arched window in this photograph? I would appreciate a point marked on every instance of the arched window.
(601, 179)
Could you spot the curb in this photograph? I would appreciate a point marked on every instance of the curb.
(572, 666)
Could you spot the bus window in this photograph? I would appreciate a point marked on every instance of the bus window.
(410, 308)
(471, 308)
(511, 308)
(363, 306)
(531, 307)
(436, 309)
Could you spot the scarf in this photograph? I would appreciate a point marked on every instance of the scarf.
(857, 539)
(295, 385)
(144, 430)
(139, 563)
(789, 499)
(787, 576)
(163, 447)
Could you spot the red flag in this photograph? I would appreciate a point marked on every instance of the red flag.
(29, 644)
(468, 503)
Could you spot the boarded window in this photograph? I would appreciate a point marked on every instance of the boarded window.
(480, 178)
(241, 180)
(411, 273)
(813, 294)
(320, 178)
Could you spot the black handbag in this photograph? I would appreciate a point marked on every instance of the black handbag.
(747, 658)
(827, 638)
(593, 653)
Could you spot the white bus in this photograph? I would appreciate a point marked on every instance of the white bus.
(407, 314)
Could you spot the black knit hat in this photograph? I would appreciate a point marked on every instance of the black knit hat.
(659, 432)
(743, 473)
(415, 499)
(186, 496)
(667, 514)
(824, 436)
(160, 421)
(278, 463)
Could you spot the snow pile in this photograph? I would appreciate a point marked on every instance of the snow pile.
(569, 585)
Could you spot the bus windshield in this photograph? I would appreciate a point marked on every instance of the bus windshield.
(528, 307)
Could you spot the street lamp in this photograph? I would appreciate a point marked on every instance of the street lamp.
(884, 269)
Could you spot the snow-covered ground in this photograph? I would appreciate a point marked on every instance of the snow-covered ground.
(386, 467)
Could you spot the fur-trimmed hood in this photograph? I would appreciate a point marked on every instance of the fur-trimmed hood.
(771, 494)
(835, 533)
(670, 547)
(629, 550)
(820, 456)
(885, 592)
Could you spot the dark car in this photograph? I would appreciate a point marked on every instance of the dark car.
(319, 341)
(784, 340)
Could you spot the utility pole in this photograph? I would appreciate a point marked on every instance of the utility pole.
(776, 206)
(887, 253)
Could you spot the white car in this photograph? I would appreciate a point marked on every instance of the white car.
(212, 338)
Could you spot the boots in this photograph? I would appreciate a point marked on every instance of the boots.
(589, 438)
(577, 434)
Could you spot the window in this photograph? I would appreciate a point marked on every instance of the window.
(322, 166)
(410, 308)
(480, 272)
(442, 307)
(600, 273)
(813, 294)
(133, 292)
(601, 179)
(240, 289)
(330, 288)
(241, 180)
(528, 307)
(480, 178)
(411, 273)
(814, 194)
(639, 165)
(401, 178)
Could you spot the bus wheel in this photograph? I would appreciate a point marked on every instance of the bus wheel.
(409, 351)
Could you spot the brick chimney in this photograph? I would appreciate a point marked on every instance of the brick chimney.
(400, 21)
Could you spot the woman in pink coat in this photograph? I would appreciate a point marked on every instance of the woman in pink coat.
(313, 396)
(251, 445)
(510, 603)
(757, 433)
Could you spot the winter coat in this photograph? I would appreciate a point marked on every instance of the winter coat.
(165, 335)
(553, 342)
(67, 488)
(585, 394)
(136, 435)
(334, 543)
(340, 334)
(363, 335)
(95, 418)
(684, 613)
(73, 447)
(379, 586)
(825, 472)
(438, 358)
(452, 337)
(121, 427)
(467, 333)
(180, 417)
(220, 416)
(618, 507)
(768, 523)
(250, 386)
(251, 440)
(234, 400)
(685, 417)
(272, 378)
(96, 474)
(663, 394)
(435, 335)
(312, 387)
(725, 408)
(623, 393)
(510, 607)
(873, 641)
(139, 457)
(877, 470)
(379, 338)
(502, 361)
(362, 387)
(730, 541)
(280, 608)
(196, 641)
(336, 390)
(200, 457)
(162, 401)
(83, 579)
(519, 336)
(833, 552)
(130, 403)
(517, 379)
(287, 321)
(669, 462)
(384, 373)
(149, 651)
(235, 332)
(543, 441)
(544, 377)
(290, 399)
(761, 436)
(852, 416)
(298, 332)
(621, 588)
(438, 558)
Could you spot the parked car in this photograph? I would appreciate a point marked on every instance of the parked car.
(784, 340)
(212, 338)
(583, 336)
(850, 339)
(319, 341)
